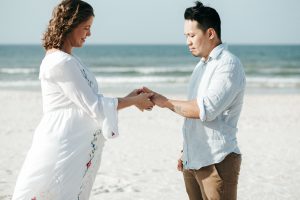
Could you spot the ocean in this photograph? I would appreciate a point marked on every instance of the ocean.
(163, 67)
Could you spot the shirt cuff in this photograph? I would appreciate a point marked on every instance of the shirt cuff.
(202, 114)
(110, 124)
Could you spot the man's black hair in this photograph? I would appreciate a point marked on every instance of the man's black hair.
(206, 17)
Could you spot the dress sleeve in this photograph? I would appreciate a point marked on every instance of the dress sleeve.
(74, 85)
(227, 81)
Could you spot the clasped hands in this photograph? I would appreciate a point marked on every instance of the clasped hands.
(146, 99)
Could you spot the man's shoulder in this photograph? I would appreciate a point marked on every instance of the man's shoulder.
(226, 57)
(227, 61)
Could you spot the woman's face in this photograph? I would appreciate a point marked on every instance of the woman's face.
(79, 34)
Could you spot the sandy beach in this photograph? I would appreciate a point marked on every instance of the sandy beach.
(141, 163)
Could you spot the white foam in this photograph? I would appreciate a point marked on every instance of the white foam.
(24, 83)
(18, 70)
(145, 79)
(254, 82)
(273, 82)
(142, 70)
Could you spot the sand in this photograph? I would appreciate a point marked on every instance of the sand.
(141, 163)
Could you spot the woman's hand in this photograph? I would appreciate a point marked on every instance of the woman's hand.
(135, 93)
(137, 98)
(142, 101)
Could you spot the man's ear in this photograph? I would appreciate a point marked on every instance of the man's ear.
(211, 33)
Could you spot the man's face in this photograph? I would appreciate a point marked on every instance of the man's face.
(196, 39)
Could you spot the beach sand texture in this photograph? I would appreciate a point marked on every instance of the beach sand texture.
(141, 163)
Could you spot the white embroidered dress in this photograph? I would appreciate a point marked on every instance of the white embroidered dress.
(67, 145)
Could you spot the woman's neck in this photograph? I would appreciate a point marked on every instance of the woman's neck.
(67, 47)
(67, 50)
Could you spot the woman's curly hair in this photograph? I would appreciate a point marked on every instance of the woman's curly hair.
(65, 17)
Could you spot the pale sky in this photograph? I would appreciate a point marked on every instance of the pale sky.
(157, 21)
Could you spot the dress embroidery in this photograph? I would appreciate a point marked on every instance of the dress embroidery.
(90, 83)
(45, 195)
(89, 164)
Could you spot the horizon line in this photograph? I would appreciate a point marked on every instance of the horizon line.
(157, 44)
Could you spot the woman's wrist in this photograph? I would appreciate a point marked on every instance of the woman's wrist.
(124, 102)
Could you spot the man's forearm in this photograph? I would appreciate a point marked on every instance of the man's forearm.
(187, 109)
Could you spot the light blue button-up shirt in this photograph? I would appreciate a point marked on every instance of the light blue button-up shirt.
(218, 85)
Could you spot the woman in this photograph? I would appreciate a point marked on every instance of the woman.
(66, 150)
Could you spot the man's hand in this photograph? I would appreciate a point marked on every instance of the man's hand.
(180, 164)
(157, 99)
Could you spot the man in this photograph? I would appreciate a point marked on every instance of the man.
(211, 158)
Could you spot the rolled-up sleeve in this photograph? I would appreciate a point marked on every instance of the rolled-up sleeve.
(224, 85)
(74, 86)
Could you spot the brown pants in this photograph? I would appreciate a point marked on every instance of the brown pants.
(214, 182)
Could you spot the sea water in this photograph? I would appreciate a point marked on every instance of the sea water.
(118, 67)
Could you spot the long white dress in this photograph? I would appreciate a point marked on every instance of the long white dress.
(67, 145)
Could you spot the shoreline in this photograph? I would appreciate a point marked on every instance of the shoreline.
(168, 89)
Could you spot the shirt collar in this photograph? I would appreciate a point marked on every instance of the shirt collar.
(215, 52)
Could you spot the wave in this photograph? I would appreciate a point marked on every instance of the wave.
(108, 70)
(252, 81)
(142, 70)
(273, 82)
(19, 70)
(287, 72)
(176, 71)
(20, 84)
(146, 79)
